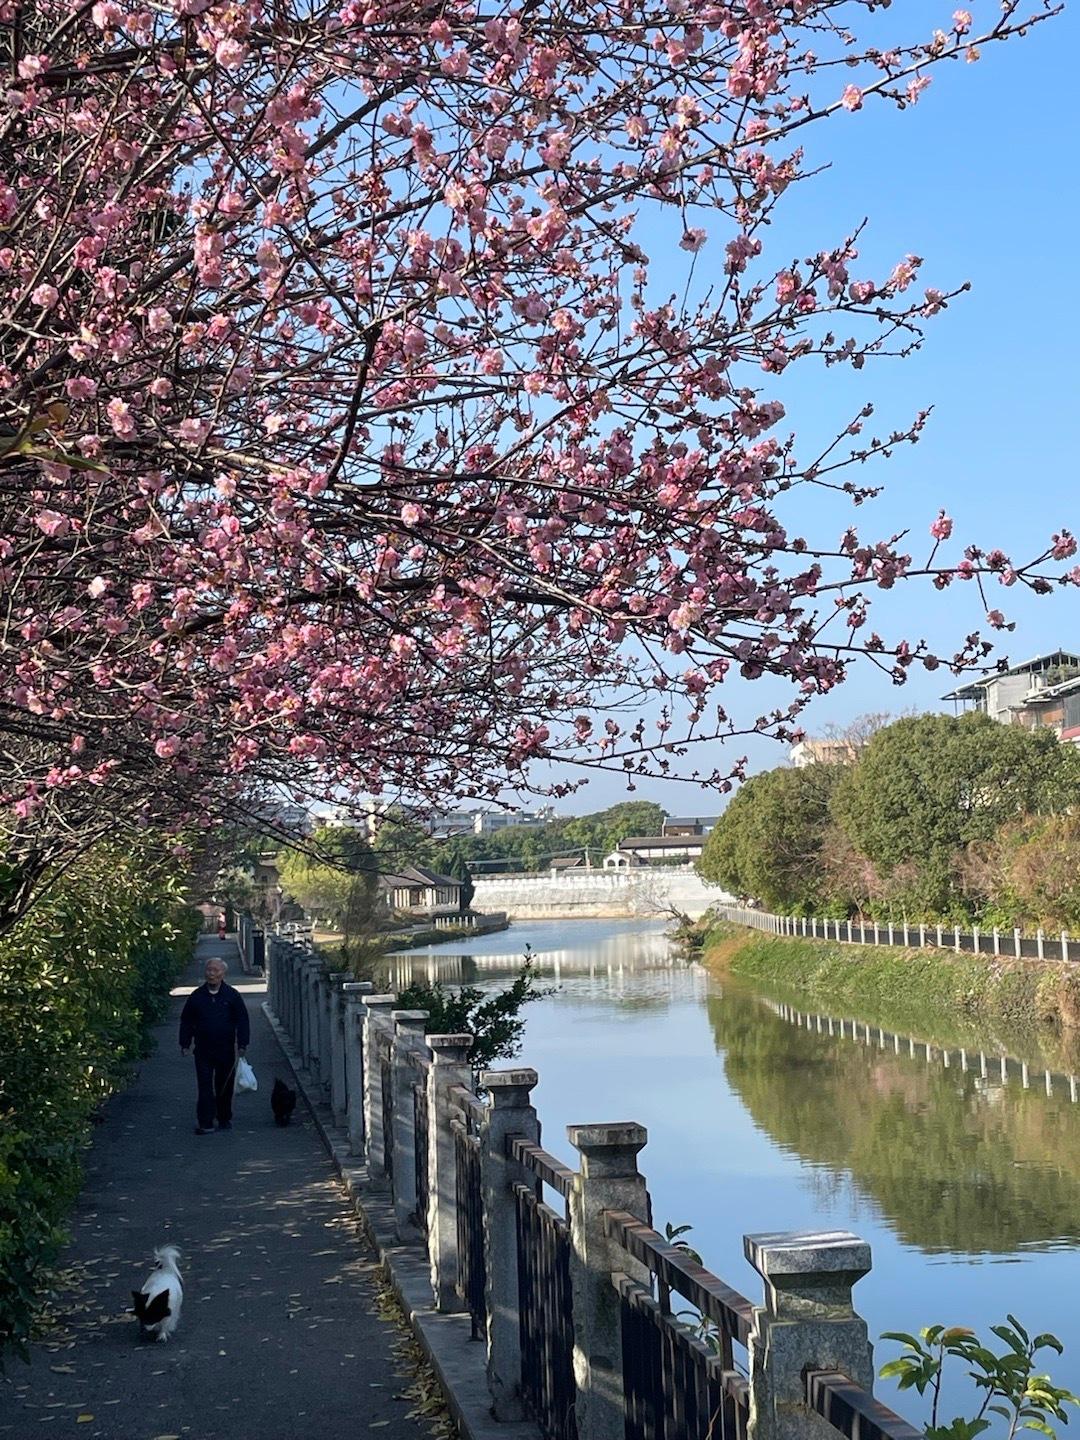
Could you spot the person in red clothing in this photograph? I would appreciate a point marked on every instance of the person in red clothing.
(215, 1018)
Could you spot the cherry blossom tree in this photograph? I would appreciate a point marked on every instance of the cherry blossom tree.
(387, 394)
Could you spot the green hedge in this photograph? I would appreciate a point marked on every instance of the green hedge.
(83, 976)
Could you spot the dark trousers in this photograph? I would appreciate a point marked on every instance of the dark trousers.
(216, 1075)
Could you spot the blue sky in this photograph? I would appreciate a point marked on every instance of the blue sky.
(981, 179)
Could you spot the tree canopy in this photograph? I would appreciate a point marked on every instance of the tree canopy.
(930, 786)
(767, 843)
(353, 443)
(334, 878)
(938, 817)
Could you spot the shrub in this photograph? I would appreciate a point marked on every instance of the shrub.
(493, 1019)
(82, 978)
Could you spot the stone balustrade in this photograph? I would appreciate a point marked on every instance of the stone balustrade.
(594, 1326)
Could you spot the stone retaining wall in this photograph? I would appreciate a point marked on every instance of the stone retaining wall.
(599, 894)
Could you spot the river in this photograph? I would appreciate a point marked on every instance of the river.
(967, 1186)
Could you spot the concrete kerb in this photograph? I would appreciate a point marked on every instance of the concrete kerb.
(458, 1361)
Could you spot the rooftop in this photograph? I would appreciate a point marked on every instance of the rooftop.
(416, 875)
(1038, 665)
(659, 842)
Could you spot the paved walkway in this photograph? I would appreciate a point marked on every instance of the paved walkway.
(280, 1338)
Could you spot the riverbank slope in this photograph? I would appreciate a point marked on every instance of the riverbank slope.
(902, 982)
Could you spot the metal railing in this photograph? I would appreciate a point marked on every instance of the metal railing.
(594, 1325)
(545, 1298)
(902, 933)
(679, 1370)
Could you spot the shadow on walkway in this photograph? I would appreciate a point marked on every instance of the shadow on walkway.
(279, 1337)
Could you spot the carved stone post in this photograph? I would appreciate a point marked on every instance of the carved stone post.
(326, 1033)
(352, 993)
(337, 1045)
(408, 1038)
(609, 1179)
(311, 1015)
(806, 1323)
(511, 1113)
(449, 1069)
(376, 1010)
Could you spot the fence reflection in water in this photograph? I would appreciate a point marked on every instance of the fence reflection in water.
(595, 1327)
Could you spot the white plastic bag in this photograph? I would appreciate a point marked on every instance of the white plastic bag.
(245, 1077)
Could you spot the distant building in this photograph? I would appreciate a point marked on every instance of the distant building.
(486, 822)
(294, 819)
(417, 893)
(823, 752)
(637, 850)
(1044, 691)
(569, 862)
(687, 825)
(445, 824)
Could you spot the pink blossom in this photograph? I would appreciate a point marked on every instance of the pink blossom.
(412, 514)
(491, 362)
(693, 240)
(45, 296)
(52, 523)
(120, 418)
(961, 21)
(230, 54)
(97, 587)
(106, 15)
(167, 747)
(194, 431)
(80, 387)
(942, 527)
(852, 98)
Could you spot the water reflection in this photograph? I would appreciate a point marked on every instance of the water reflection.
(624, 960)
(956, 1158)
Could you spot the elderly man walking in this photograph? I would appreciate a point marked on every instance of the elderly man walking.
(216, 1019)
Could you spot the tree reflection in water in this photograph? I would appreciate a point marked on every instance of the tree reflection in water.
(955, 1161)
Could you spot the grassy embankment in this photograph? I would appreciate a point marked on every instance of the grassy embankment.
(900, 988)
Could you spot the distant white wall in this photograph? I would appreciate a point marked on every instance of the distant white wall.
(598, 894)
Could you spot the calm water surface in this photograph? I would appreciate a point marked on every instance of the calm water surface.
(966, 1186)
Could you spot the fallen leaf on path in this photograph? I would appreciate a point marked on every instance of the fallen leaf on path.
(62, 1369)
(83, 1419)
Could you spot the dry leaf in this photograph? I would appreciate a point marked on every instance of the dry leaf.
(83, 1419)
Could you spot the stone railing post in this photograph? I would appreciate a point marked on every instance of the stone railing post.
(511, 1113)
(352, 995)
(295, 995)
(376, 1011)
(326, 1032)
(449, 1069)
(299, 986)
(408, 1038)
(309, 971)
(806, 1323)
(268, 975)
(336, 1003)
(608, 1179)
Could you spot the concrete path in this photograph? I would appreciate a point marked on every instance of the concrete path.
(280, 1337)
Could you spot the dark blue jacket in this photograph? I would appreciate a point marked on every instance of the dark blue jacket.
(217, 1023)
